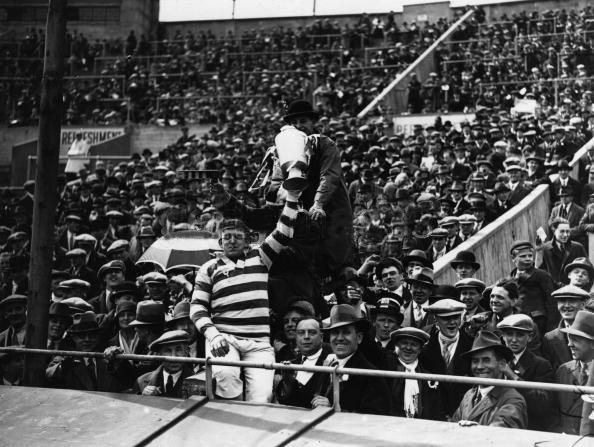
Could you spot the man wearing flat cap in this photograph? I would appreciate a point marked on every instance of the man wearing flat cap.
(438, 247)
(575, 372)
(442, 354)
(413, 398)
(359, 394)
(78, 268)
(534, 287)
(490, 405)
(570, 300)
(83, 373)
(471, 293)
(517, 330)
(14, 311)
(167, 379)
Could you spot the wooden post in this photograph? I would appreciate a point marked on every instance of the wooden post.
(44, 208)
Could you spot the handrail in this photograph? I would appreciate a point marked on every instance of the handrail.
(209, 361)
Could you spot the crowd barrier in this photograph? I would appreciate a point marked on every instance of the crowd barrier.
(335, 371)
(491, 245)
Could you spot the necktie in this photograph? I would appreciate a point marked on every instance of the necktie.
(418, 313)
(169, 385)
(92, 371)
(564, 212)
(583, 374)
(476, 398)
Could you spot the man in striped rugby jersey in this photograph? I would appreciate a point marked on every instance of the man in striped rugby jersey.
(230, 304)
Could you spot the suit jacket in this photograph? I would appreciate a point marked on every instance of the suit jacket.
(291, 392)
(574, 217)
(8, 337)
(361, 394)
(569, 404)
(502, 407)
(500, 209)
(432, 360)
(461, 207)
(533, 368)
(535, 287)
(155, 378)
(556, 185)
(554, 260)
(554, 347)
(518, 194)
(73, 374)
(409, 318)
(430, 404)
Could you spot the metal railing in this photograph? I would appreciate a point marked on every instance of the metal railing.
(335, 372)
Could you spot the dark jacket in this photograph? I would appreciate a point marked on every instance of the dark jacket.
(73, 374)
(291, 392)
(554, 260)
(570, 404)
(432, 360)
(155, 378)
(535, 288)
(554, 347)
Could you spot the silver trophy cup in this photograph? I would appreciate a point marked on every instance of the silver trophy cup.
(291, 146)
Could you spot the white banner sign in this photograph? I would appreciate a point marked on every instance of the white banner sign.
(94, 135)
(405, 123)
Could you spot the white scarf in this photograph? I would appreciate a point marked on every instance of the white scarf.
(411, 390)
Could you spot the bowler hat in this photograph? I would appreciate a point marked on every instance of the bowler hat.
(302, 306)
(582, 326)
(417, 256)
(410, 332)
(423, 276)
(489, 340)
(170, 337)
(583, 263)
(566, 191)
(343, 315)
(299, 108)
(149, 313)
(445, 292)
(465, 257)
(83, 323)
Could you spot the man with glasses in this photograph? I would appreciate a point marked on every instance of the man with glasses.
(230, 304)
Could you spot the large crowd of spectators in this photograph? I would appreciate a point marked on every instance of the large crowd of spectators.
(411, 199)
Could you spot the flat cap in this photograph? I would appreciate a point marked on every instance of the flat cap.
(170, 337)
(85, 238)
(76, 252)
(119, 245)
(410, 332)
(570, 292)
(471, 283)
(520, 322)
(110, 266)
(74, 283)
(447, 308)
(155, 278)
(520, 245)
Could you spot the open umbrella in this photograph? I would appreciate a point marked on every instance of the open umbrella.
(188, 248)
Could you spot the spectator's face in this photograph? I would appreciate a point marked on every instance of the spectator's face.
(581, 348)
(568, 308)
(86, 341)
(467, 228)
(563, 173)
(485, 364)
(77, 261)
(516, 340)
(457, 195)
(308, 336)
(420, 292)
(412, 266)
(234, 242)
(408, 349)
(186, 324)
(501, 302)
(156, 290)
(290, 321)
(125, 318)
(448, 326)
(452, 230)
(439, 243)
(174, 350)
(384, 326)
(470, 297)
(15, 314)
(391, 278)
(562, 233)
(114, 277)
(345, 340)
(579, 277)
(567, 199)
(56, 327)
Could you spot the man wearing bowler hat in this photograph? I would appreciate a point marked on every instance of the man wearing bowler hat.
(83, 373)
(575, 372)
(580, 273)
(167, 379)
(465, 264)
(421, 288)
(359, 394)
(517, 331)
(326, 195)
(442, 354)
(490, 405)
(569, 210)
(413, 398)
(564, 181)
